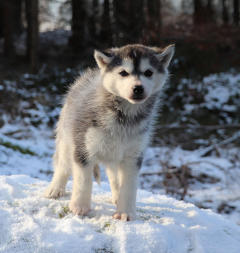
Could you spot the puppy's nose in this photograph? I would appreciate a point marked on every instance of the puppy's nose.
(138, 90)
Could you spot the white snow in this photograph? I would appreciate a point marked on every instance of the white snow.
(40, 142)
(31, 223)
(219, 92)
(224, 172)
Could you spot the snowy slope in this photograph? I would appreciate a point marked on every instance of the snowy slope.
(31, 223)
(213, 181)
(215, 178)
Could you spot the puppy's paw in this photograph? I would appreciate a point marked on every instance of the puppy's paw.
(54, 192)
(78, 209)
(124, 216)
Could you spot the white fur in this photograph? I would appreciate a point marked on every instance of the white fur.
(112, 174)
(116, 146)
(123, 86)
(80, 203)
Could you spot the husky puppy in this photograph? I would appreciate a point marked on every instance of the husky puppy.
(107, 118)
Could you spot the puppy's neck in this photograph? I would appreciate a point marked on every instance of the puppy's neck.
(118, 104)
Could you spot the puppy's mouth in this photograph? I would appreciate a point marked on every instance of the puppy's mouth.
(137, 98)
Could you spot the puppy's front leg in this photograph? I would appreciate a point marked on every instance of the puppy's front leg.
(128, 178)
(80, 203)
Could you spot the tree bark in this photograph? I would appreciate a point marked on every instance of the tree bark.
(94, 22)
(1, 18)
(106, 31)
(8, 27)
(236, 6)
(136, 20)
(225, 16)
(17, 21)
(128, 21)
(153, 21)
(210, 12)
(79, 18)
(121, 25)
(198, 16)
(32, 33)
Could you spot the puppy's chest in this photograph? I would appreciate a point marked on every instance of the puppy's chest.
(111, 146)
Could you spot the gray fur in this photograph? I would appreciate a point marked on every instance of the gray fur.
(139, 161)
(93, 115)
(98, 126)
(134, 52)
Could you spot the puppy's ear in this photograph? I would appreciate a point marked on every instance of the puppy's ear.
(165, 55)
(102, 58)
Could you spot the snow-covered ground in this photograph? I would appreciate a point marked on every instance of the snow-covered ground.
(213, 181)
(31, 223)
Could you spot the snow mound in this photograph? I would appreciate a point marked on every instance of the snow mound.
(31, 223)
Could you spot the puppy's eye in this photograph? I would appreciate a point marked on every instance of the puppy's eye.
(123, 73)
(148, 73)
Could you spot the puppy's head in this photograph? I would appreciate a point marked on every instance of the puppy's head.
(134, 72)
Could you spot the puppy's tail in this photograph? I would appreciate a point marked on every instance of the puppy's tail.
(96, 174)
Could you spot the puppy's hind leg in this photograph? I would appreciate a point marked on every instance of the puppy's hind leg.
(113, 179)
(61, 164)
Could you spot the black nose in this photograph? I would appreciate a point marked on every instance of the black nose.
(138, 90)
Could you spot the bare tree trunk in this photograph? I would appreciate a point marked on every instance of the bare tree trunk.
(32, 33)
(128, 21)
(210, 12)
(236, 6)
(121, 25)
(199, 12)
(93, 22)
(153, 21)
(1, 18)
(18, 26)
(8, 27)
(79, 18)
(136, 20)
(225, 16)
(106, 31)
(10, 23)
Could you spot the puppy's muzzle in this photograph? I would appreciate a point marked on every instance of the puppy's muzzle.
(138, 92)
